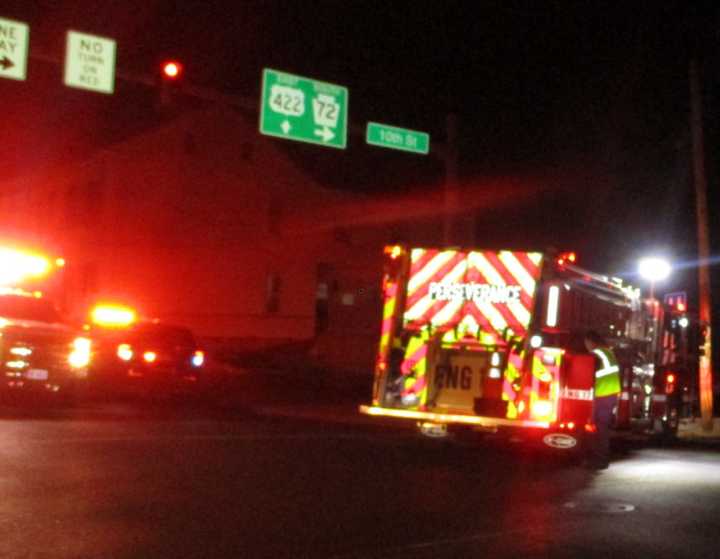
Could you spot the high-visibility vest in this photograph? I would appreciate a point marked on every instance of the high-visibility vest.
(607, 377)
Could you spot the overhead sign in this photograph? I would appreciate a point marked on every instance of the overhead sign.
(302, 109)
(392, 137)
(90, 62)
(14, 40)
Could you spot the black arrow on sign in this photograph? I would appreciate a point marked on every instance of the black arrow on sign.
(6, 63)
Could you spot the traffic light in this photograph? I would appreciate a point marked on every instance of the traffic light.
(172, 70)
(169, 81)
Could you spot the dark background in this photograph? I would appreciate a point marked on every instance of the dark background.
(585, 101)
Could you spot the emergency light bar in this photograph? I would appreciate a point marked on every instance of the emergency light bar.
(17, 266)
(113, 316)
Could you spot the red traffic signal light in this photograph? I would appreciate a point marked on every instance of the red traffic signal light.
(172, 69)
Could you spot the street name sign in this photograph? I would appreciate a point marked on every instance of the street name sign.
(90, 62)
(386, 136)
(302, 109)
(14, 40)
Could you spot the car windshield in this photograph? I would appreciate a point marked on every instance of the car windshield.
(28, 308)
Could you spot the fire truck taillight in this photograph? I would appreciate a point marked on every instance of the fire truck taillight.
(541, 410)
(150, 356)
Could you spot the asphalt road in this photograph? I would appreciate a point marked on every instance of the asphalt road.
(140, 480)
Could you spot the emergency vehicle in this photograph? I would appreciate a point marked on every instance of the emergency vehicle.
(493, 341)
(134, 356)
(40, 352)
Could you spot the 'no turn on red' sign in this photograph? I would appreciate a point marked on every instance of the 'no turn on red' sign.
(90, 62)
(14, 39)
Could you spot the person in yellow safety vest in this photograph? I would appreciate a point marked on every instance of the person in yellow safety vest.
(607, 388)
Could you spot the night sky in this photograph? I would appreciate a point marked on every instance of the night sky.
(586, 101)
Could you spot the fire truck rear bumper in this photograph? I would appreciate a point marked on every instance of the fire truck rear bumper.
(489, 423)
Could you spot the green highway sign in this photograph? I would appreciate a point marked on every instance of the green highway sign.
(90, 62)
(305, 110)
(14, 39)
(386, 136)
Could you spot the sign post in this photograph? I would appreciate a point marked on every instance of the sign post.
(90, 62)
(386, 136)
(304, 110)
(14, 40)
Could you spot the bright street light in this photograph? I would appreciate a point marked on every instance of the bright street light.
(654, 269)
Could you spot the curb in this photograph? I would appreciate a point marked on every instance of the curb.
(336, 415)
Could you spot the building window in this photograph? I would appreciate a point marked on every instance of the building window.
(190, 144)
(272, 299)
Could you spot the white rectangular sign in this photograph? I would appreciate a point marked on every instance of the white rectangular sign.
(90, 62)
(14, 39)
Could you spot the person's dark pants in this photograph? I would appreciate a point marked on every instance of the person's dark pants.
(599, 443)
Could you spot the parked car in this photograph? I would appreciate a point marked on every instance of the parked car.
(148, 357)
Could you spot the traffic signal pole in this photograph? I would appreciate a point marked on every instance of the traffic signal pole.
(704, 296)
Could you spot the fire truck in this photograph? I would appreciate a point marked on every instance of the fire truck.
(492, 341)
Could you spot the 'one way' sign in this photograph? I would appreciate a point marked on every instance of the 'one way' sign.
(14, 39)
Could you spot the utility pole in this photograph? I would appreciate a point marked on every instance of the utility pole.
(704, 296)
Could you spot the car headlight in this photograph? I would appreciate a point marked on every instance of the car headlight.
(80, 354)
(198, 358)
(125, 352)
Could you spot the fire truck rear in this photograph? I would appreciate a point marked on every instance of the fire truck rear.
(493, 341)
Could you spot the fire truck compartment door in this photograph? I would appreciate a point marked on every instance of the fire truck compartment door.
(576, 391)
(457, 381)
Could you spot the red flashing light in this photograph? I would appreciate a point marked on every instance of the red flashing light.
(393, 251)
(591, 428)
(681, 307)
(669, 383)
(172, 69)
(565, 257)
